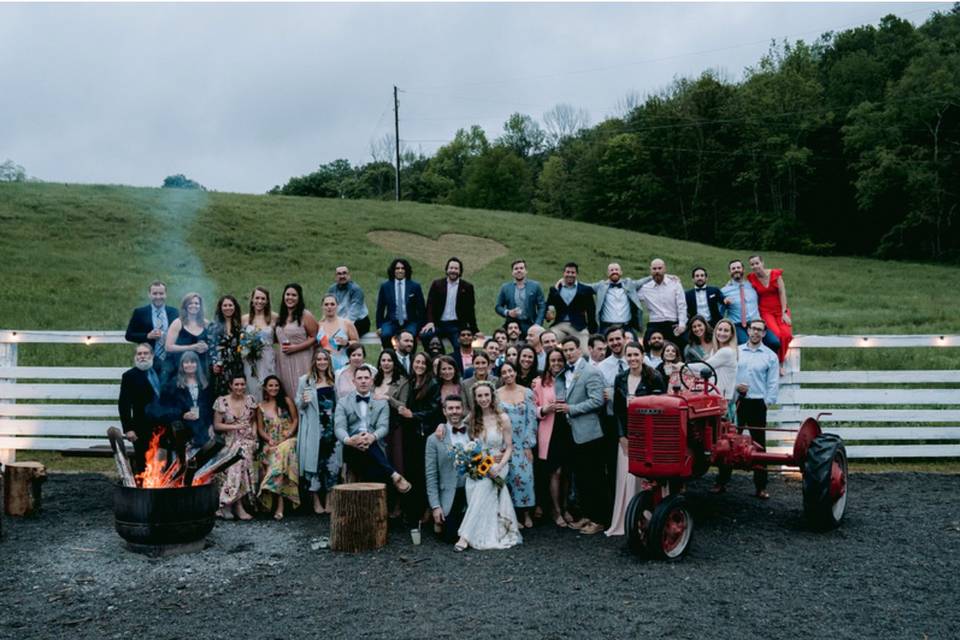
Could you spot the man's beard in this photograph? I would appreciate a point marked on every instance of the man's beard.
(145, 365)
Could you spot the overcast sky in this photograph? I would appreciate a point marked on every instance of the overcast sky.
(241, 97)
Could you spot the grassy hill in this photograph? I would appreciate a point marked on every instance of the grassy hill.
(80, 257)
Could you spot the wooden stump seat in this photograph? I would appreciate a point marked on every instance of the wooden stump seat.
(21, 487)
(358, 516)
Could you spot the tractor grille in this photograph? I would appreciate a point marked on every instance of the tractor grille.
(667, 446)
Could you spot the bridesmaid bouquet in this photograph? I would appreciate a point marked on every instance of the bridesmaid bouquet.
(250, 347)
(472, 461)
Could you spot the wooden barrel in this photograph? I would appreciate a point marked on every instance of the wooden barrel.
(165, 516)
(21, 492)
(358, 516)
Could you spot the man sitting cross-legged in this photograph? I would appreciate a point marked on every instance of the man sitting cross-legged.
(361, 423)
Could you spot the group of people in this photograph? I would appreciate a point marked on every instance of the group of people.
(546, 394)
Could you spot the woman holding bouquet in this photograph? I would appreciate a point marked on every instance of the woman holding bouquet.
(490, 521)
(224, 333)
(259, 325)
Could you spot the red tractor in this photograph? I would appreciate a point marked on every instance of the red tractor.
(677, 437)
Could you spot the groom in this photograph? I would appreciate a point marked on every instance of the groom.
(445, 487)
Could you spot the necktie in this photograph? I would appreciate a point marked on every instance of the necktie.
(363, 399)
(743, 307)
(620, 366)
(159, 348)
(459, 429)
(405, 361)
(154, 381)
(401, 304)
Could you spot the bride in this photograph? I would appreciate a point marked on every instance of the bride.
(490, 521)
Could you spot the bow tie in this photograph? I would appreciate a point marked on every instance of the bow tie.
(616, 285)
(459, 429)
(570, 367)
(363, 399)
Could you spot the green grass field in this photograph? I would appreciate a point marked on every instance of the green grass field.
(80, 257)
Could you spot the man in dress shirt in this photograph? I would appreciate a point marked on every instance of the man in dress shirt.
(571, 308)
(522, 299)
(446, 492)
(741, 306)
(597, 348)
(350, 300)
(653, 352)
(666, 305)
(612, 366)
(360, 423)
(618, 301)
(451, 306)
(703, 300)
(406, 344)
(400, 303)
(758, 381)
(150, 323)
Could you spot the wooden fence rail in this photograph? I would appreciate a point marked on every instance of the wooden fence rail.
(57, 408)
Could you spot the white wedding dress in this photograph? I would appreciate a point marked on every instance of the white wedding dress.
(490, 521)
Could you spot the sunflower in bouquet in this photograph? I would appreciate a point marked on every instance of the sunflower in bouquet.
(473, 461)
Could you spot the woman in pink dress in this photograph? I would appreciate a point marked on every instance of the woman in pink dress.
(296, 332)
(772, 295)
(554, 444)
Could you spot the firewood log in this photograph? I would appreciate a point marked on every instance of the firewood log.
(21, 492)
(358, 516)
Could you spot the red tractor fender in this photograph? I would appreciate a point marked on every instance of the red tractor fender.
(809, 430)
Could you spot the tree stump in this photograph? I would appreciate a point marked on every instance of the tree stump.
(21, 491)
(358, 516)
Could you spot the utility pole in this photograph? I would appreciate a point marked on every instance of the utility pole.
(396, 135)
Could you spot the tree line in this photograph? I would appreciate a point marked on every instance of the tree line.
(849, 145)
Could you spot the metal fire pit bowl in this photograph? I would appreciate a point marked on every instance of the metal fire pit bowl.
(162, 522)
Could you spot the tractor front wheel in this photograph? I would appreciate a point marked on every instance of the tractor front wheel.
(637, 521)
(825, 482)
(671, 529)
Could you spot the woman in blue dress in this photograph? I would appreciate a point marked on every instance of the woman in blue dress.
(517, 403)
(335, 333)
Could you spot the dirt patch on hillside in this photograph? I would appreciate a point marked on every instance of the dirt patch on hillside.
(476, 252)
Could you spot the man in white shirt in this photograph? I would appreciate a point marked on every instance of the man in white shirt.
(405, 346)
(653, 350)
(597, 347)
(451, 306)
(666, 305)
(612, 366)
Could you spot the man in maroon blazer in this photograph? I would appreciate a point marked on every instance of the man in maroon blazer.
(451, 305)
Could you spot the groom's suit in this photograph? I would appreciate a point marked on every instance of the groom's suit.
(445, 487)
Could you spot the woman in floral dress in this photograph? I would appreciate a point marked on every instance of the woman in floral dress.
(277, 425)
(235, 415)
(224, 335)
(517, 402)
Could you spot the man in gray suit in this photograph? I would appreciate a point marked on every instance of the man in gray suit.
(580, 396)
(522, 300)
(361, 423)
(446, 491)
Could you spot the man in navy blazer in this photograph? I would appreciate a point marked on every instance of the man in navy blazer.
(703, 300)
(409, 314)
(446, 316)
(150, 323)
(571, 307)
(521, 300)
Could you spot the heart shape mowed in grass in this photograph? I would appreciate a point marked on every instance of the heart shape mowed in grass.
(476, 252)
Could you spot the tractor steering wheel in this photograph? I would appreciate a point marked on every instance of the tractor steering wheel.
(706, 376)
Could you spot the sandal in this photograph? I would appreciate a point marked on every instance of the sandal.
(560, 522)
(460, 546)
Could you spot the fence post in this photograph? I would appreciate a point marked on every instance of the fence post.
(789, 394)
(8, 358)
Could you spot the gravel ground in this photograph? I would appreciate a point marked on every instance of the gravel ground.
(754, 571)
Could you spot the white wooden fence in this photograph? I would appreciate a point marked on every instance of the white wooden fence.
(57, 408)
(897, 422)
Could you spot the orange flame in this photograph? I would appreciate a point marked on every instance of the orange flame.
(154, 476)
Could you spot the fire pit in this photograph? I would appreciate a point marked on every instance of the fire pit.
(169, 508)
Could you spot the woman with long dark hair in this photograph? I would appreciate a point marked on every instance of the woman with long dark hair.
(421, 412)
(554, 442)
(526, 366)
(236, 418)
(277, 423)
(187, 333)
(699, 339)
(638, 380)
(296, 332)
(224, 335)
(391, 384)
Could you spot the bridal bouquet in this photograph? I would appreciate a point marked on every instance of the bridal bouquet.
(472, 461)
(251, 347)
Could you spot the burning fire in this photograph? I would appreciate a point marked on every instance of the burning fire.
(158, 474)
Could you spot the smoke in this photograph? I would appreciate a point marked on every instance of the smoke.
(175, 229)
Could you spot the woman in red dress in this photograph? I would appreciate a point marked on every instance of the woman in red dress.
(772, 295)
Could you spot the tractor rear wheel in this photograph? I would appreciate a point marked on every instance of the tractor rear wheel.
(637, 521)
(671, 529)
(825, 482)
